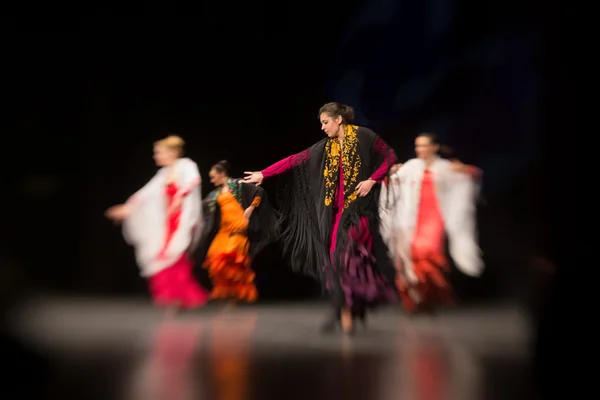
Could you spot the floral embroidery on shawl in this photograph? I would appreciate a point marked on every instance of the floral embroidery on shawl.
(235, 187)
(351, 164)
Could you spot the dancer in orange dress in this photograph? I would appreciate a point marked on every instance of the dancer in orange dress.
(163, 221)
(431, 198)
(239, 222)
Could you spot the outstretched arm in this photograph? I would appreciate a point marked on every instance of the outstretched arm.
(280, 167)
(283, 166)
(258, 196)
(470, 170)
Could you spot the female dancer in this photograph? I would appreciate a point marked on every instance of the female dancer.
(430, 197)
(238, 223)
(162, 221)
(329, 207)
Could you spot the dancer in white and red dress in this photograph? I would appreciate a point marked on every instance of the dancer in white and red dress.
(424, 200)
(162, 221)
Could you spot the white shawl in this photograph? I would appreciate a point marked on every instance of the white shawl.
(456, 193)
(146, 227)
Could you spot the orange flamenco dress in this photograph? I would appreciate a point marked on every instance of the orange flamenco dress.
(427, 250)
(227, 260)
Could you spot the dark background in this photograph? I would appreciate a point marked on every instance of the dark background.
(86, 98)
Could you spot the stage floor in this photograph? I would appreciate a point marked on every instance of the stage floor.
(125, 349)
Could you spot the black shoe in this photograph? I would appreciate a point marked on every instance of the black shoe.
(332, 323)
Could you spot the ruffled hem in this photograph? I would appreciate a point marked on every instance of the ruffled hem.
(231, 276)
(361, 282)
(408, 296)
(244, 292)
(432, 287)
(176, 286)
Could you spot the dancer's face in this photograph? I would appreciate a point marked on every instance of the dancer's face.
(331, 125)
(217, 178)
(163, 156)
(424, 148)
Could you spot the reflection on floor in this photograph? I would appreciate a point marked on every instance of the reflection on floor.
(114, 350)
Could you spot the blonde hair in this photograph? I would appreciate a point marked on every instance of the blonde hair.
(172, 142)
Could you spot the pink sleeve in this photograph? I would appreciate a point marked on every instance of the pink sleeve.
(286, 164)
(389, 159)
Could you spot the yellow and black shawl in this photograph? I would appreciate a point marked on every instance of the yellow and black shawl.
(308, 195)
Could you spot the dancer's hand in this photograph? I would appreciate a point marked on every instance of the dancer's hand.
(253, 177)
(364, 187)
(117, 213)
(395, 168)
(248, 213)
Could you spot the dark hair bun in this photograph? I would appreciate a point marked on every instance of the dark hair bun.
(225, 164)
(347, 113)
(334, 109)
(222, 166)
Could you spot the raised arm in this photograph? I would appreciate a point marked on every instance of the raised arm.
(258, 196)
(471, 170)
(389, 158)
(286, 164)
(256, 201)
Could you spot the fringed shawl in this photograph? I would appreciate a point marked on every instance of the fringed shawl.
(308, 193)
